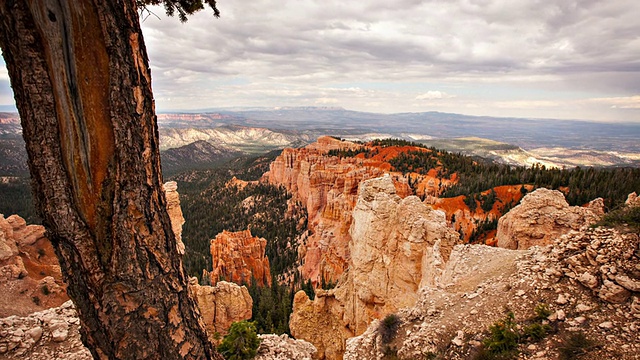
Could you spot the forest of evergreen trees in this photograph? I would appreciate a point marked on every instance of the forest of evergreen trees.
(477, 175)
(16, 198)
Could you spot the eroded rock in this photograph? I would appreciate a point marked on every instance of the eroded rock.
(541, 217)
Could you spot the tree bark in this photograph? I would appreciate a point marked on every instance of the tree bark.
(81, 80)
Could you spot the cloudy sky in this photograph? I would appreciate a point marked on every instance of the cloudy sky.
(568, 59)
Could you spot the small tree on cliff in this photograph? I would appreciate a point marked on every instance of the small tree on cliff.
(81, 80)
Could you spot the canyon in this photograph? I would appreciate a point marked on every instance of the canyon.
(385, 242)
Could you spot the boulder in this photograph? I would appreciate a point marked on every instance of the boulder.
(541, 217)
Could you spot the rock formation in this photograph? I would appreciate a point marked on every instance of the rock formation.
(221, 305)
(397, 245)
(328, 188)
(175, 212)
(239, 257)
(541, 217)
(632, 200)
(450, 320)
(30, 277)
(282, 347)
(48, 334)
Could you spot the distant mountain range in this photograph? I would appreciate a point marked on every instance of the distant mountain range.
(196, 140)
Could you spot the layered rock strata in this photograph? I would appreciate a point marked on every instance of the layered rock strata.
(397, 245)
(541, 217)
(239, 257)
(328, 188)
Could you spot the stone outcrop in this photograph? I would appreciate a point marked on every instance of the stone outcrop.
(397, 245)
(632, 200)
(239, 257)
(30, 276)
(175, 212)
(541, 217)
(602, 260)
(451, 319)
(48, 334)
(221, 305)
(282, 347)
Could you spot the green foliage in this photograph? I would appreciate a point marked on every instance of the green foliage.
(16, 198)
(388, 328)
(575, 345)
(307, 287)
(504, 336)
(542, 311)
(182, 7)
(612, 184)
(482, 229)
(536, 331)
(488, 201)
(390, 353)
(626, 216)
(418, 161)
(210, 207)
(327, 285)
(272, 307)
(342, 153)
(241, 343)
(470, 201)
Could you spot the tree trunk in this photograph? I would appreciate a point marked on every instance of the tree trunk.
(81, 80)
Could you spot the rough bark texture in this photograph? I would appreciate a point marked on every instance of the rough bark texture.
(81, 80)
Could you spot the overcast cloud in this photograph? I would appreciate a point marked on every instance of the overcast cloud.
(577, 59)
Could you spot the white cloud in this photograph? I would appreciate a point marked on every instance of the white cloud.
(391, 55)
(434, 95)
(628, 102)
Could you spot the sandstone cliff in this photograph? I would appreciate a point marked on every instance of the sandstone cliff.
(328, 188)
(239, 257)
(396, 246)
(221, 305)
(541, 217)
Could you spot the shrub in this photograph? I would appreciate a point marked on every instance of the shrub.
(389, 327)
(575, 345)
(45, 290)
(537, 331)
(626, 215)
(542, 311)
(504, 336)
(241, 343)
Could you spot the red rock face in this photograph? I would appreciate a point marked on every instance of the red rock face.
(238, 257)
(328, 187)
